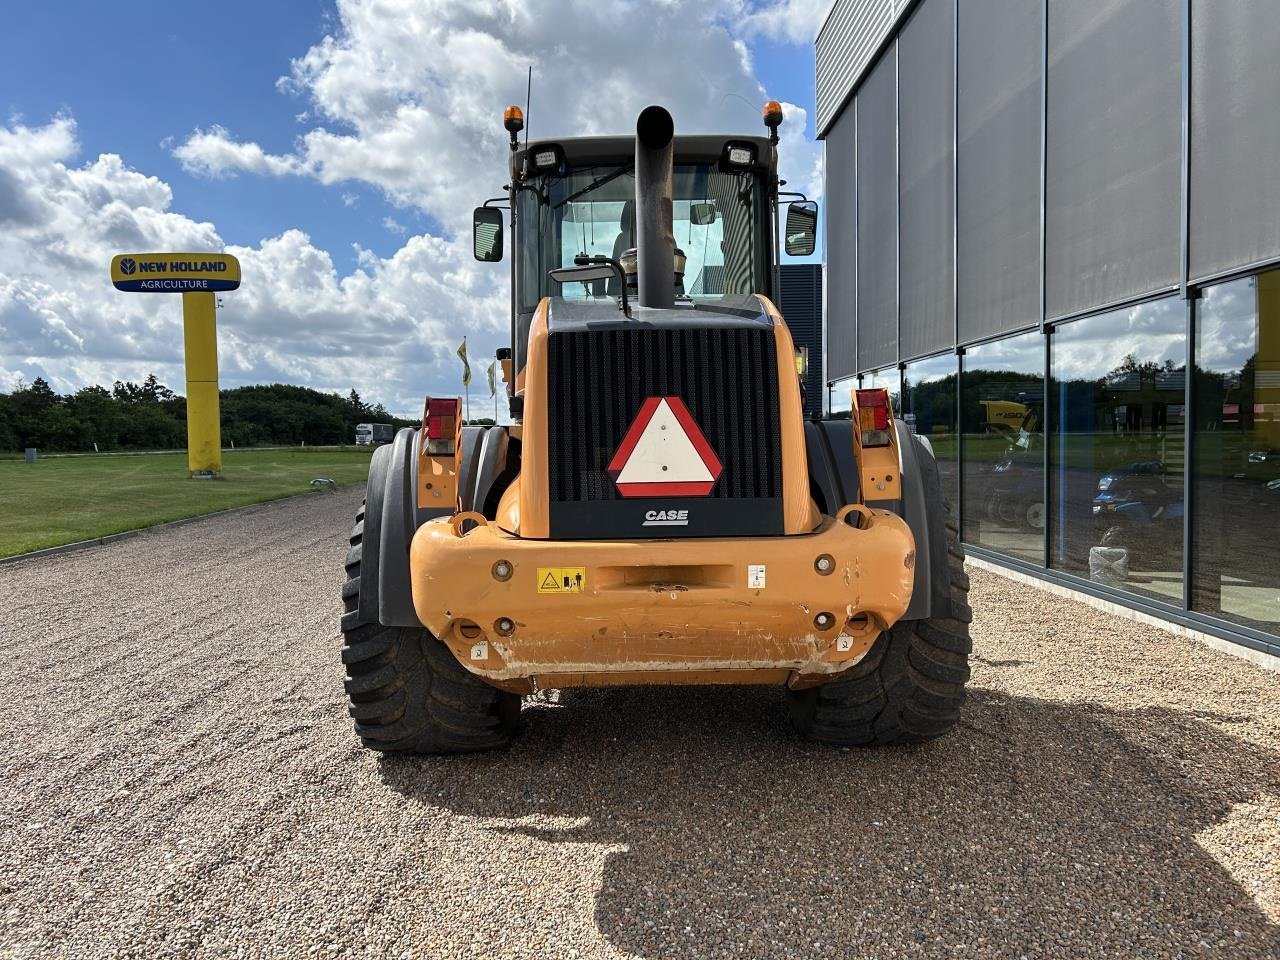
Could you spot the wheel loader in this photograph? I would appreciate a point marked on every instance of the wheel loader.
(659, 511)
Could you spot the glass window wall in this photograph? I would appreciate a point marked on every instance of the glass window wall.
(1002, 414)
(929, 409)
(1236, 493)
(1116, 448)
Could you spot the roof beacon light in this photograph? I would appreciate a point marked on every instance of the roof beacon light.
(442, 425)
(873, 417)
(513, 120)
(772, 116)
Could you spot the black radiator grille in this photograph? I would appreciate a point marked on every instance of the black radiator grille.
(727, 376)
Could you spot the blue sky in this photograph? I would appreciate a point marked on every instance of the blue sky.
(381, 140)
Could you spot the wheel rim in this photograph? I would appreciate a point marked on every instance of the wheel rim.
(1035, 516)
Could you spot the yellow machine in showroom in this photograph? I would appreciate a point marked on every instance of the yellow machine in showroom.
(660, 511)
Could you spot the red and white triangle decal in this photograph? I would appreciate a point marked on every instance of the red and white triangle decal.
(664, 454)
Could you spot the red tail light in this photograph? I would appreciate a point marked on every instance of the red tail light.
(442, 426)
(873, 417)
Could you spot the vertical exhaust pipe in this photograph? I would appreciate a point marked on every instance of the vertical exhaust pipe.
(655, 238)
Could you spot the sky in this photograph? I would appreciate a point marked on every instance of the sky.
(337, 150)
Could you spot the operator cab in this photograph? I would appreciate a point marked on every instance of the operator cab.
(573, 202)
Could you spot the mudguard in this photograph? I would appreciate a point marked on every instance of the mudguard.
(369, 558)
(483, 467)
(833, 482)
(399, 521)
(392, 515)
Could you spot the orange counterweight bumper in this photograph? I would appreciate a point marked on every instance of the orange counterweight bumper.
(531, 614)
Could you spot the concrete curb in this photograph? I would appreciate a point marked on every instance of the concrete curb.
(127, 534)
(1256, 657)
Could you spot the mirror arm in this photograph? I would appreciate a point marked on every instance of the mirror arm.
(788, 193)
(582, 260)
(496, 200)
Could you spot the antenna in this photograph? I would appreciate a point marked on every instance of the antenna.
(528, 100)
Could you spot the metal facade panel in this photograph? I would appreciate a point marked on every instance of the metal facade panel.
(925, 85)
(877, 248)
(844, 48)
(998, 166)
(1235, 135)
(840, 199)
(1113, 169)
(800, 301)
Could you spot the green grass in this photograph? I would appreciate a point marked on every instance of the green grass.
(62, 500)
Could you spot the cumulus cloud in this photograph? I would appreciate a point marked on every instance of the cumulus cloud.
(405, 97)
(796, 21)
(214, 153)
(384, 328)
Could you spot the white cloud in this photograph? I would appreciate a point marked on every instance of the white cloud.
(795, 21)
(392, 225)
(213, 153)
(384, 328)
(407, 96)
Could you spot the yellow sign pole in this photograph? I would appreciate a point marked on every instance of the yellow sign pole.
(204, 428)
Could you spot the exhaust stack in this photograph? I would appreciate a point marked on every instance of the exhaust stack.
(655, 238)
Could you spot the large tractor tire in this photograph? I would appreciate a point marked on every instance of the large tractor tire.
(910, 686)
(406, 691)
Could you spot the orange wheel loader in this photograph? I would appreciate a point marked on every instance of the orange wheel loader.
(659, 511)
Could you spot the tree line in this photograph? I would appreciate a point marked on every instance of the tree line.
(150, 416)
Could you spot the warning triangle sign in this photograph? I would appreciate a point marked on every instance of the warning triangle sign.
(664, 454)
(549, 582)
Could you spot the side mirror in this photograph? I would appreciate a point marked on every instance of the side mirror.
(702, 214)
(486, 234)
(802, 228)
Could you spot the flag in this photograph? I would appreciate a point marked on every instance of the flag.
(493, 383)
(466, 366)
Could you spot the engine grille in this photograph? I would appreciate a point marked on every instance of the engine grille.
(727, 377)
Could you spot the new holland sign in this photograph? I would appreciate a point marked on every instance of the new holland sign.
(175, 272)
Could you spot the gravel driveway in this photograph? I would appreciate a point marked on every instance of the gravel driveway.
(179, 778)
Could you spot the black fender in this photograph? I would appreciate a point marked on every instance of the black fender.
(369, 558)
(834, 482)
(400, 519)
(392, 515)
(486, 459)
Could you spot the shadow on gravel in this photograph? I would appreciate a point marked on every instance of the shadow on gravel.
(1038, 827)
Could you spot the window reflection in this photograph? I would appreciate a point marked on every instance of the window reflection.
(1236, 494)
(885, 378)
(1116, 450)
(929, 409)
(1002, 405)
(840, 398)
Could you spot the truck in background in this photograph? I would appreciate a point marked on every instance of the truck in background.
(374, 433)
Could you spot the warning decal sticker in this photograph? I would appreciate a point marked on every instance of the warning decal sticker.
(665, 454)
(562, 579)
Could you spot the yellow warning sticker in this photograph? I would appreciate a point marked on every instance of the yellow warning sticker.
(562, 579)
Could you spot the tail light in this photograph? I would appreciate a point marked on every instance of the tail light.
(873, 417)
(441, 424)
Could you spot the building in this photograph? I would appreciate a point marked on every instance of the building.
(1053, 231)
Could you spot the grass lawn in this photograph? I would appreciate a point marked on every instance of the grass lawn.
(64, 499)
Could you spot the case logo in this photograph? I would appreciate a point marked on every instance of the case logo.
(666, 518)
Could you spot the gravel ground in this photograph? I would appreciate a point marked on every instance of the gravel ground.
(180, 779)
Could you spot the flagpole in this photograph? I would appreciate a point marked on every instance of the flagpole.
(466, 416)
